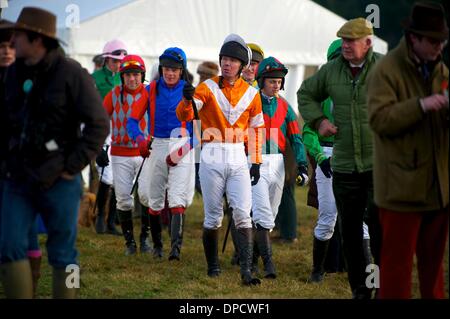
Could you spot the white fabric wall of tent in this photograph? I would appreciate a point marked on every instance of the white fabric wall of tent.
(297, 32)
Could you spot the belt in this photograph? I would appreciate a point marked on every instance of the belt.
(325, 143)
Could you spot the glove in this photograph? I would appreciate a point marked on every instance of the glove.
(170, 162)
(326, 168)
(144, 148)
(188, 91)
(302, 175)
(102, 159)
(254, 174)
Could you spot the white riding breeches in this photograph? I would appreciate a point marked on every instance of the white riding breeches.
(326, 220)
(125, 169)
(224, 170)
(267, 193)
(157, 177)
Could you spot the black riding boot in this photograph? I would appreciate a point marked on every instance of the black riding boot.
(127, 229)
(210, 245)
(145, 231)
(111, 222)
(262, 240)
(102, 195)
(319, 253)
(245, 244)
(367, 252)
(176, 235)
(155, 230)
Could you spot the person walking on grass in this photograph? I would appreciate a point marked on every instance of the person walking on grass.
(125, 153)
(344, 81)
(321, 149)
(161, 172)
(409, 115)
(230, 114)
(47, 97)
(280, 127)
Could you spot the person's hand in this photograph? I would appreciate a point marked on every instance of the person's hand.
(254, 174)
(144, 148)
(188, 91)
(102, 159)
(170, 162)
(433, 102)
(326, 168)
(302, 175)
(326, 128)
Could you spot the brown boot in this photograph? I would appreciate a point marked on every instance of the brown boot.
(16, 279)
(60, 288)
(35, 264)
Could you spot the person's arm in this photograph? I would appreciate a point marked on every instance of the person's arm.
(312, 144)
(184, 110)
(295, 137)
(108, 104)
(387, 115)
(137, 113)
(310, 95)
(256, 129)
(90, 112)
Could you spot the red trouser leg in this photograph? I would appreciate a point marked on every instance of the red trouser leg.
(399, 237)
(430, 254)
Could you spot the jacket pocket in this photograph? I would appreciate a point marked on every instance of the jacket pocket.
(408, 185)
(45, 175)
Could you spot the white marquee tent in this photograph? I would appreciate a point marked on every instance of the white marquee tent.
(297, 32)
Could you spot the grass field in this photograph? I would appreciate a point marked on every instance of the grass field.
(107, 273)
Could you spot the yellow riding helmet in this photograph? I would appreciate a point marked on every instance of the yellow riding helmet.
(257, 52)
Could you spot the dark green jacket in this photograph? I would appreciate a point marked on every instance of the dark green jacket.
(105, 81)
(353, 141)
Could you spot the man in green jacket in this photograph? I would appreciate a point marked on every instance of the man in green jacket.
(344, 81)
(327, 233)
(409, 114)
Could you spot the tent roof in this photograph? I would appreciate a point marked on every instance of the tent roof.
(295, 31)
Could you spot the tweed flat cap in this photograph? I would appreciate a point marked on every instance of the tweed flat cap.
(355, 29)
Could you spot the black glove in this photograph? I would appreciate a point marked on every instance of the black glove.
(302, 175)
(188, 91)
(102, 159)
(326, 168)
(254, 174)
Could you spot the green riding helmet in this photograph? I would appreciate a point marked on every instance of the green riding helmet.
(271, 68)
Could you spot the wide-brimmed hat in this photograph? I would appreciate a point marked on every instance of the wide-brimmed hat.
(427, 19)
(36, 20)
(5, 30)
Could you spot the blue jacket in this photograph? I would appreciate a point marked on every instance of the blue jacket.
(165, 119)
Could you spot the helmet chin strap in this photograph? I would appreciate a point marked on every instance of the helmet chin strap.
(249, 54)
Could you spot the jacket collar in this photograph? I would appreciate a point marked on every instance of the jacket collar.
(164, 85)
(50, 59)
(107, 71)
(405, 50)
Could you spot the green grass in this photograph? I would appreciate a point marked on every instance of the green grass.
(107, 273)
